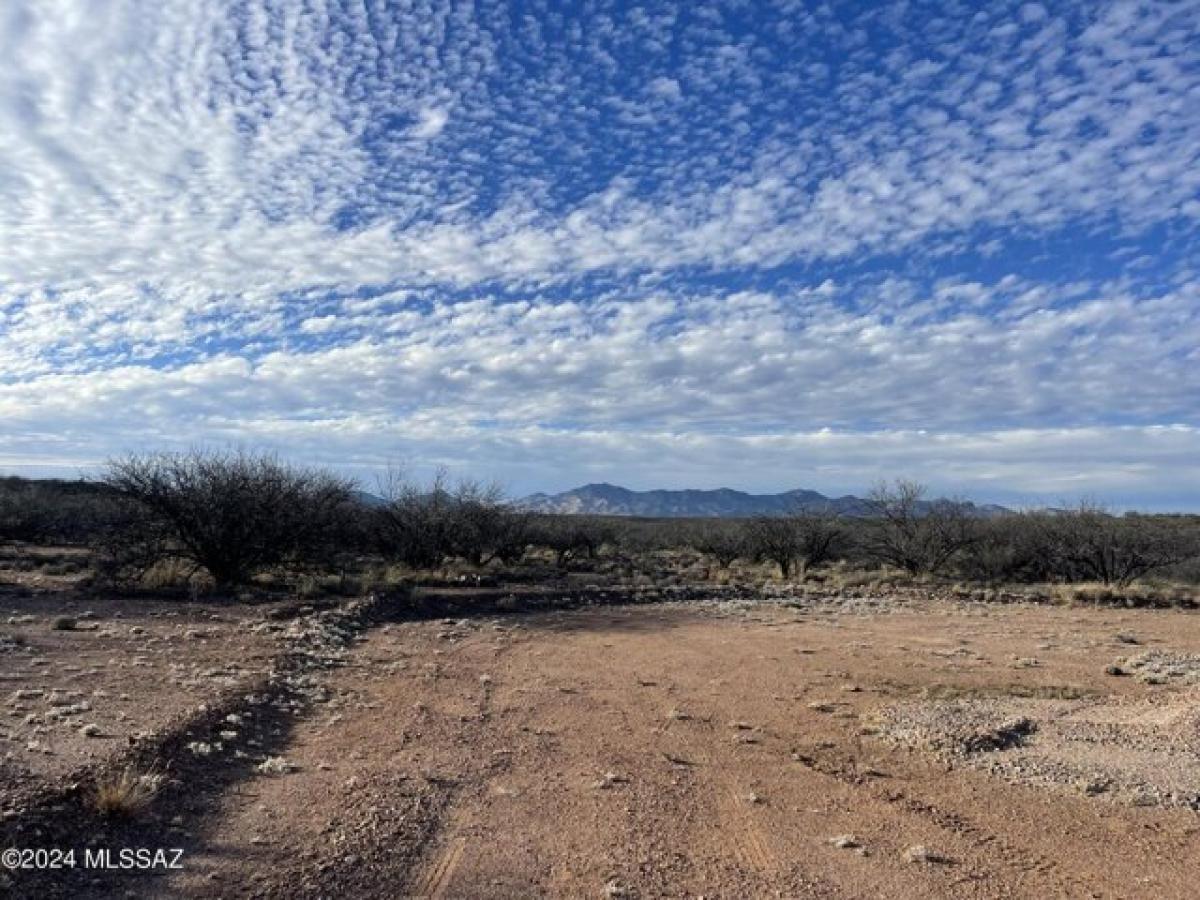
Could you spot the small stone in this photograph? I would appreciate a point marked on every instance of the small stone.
(90, 730)
(845, 842)
(922, 854)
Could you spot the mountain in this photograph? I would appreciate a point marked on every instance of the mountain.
(613, 500)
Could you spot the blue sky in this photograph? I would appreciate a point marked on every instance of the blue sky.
(754, 244)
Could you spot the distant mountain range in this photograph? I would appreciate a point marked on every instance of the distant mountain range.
(613, 500)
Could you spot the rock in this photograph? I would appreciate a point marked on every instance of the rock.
(922, 854)
(90, 730)
(1092, 787)
(845, 842)
(64, 623)
(276, 765)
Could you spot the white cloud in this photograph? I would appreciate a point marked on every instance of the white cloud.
(666, 88)
(236, 219)
(430, 123)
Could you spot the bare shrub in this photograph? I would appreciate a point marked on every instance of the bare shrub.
(775, 539)
(807, 540)
(232, 513)
(919, 536)
(1011, 548)
(723, 541)
(484, 526)
(571, 537)
(423, 526)
(1087, 543)
(129, 542)
(50, 511)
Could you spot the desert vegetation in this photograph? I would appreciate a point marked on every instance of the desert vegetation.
(231, 519)
(181, 624)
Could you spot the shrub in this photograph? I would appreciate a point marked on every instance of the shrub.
(483, 527)
(232, 513)
(570, 537)
(1011, 548)
(50, 511)
(1086, 543)
(919, 536)
(776, 539)
(808, 539)
(723, 541)
(423, 526)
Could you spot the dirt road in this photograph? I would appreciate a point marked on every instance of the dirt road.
(683, 752)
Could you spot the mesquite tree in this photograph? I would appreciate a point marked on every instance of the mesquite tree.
(233, 513)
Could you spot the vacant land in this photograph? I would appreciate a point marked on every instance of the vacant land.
(821, 747)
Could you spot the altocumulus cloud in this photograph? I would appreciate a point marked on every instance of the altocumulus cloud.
(769, 244)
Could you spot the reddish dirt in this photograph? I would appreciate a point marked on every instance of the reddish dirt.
(127, 666)
(690, 751)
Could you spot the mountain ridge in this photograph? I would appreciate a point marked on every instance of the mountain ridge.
(603, 498)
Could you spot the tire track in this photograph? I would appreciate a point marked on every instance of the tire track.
(435, 881)
(996, 852)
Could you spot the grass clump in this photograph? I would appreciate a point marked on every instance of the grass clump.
(125, 793)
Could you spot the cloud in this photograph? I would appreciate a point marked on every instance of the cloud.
(667, 88)
(430, 123)
(231, 219)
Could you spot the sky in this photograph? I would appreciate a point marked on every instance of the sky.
(761, 245)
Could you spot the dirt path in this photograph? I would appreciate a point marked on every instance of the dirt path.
(667, 751)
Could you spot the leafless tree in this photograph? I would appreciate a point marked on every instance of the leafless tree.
(823, 537)
(1014, 547)
(570, 537)
(806, 539)
(1090, 544)
(912, 534)
(424, 525)
(776, 539)
(484, 526)
(723, 541)
(234, 513)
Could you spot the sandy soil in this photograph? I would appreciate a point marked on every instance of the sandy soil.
(703, 750)
(72, 697)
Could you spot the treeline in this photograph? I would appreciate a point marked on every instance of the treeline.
(52, 511)
(1083, 543)
(232, 516)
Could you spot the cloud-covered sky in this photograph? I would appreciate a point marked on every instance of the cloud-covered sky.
(756, 244)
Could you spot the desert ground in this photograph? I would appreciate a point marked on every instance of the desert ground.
(512, 741)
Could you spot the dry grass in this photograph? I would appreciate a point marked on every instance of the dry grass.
(171, 573)
(125, 793)
(1002, 691)
(1133, 595)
